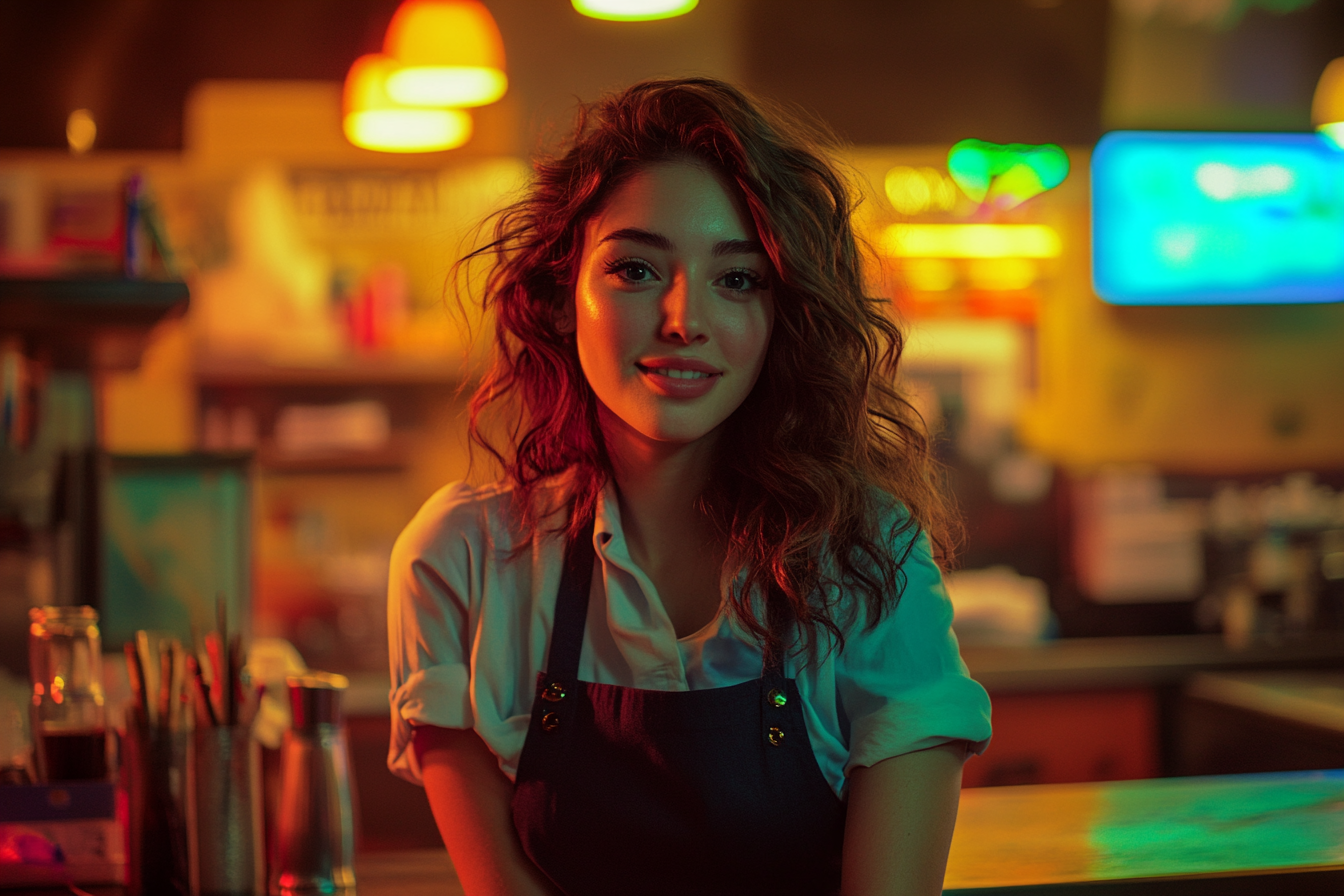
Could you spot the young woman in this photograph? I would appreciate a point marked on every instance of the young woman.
(696, 641)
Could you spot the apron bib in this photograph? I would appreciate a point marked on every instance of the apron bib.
(623, 790)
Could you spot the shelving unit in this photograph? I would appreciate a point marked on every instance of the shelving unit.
(323, 516)
(87, 323)
(404, 385)
(84, 326)
(350, 371)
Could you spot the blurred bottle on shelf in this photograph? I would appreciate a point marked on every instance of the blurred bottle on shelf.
(68, 717)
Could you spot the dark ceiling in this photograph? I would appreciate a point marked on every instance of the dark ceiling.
(132, 61)
(878, 71)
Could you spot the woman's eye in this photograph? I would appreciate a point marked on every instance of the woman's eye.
(631, 271)
(741, 281)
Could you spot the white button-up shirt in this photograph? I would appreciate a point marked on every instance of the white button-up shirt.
(469, 628)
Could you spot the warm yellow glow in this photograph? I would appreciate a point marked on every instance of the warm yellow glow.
(971, 241)
(1001, 274)
(446, 85)
(634, 10)
(1327, 105)
(915, 190)
(448, 53)
(408, 130)
(373, 120)
(80, 131)
(930, 274)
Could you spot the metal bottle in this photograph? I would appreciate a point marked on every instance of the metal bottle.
(314, 846)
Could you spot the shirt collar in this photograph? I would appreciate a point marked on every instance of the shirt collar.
(607, 533)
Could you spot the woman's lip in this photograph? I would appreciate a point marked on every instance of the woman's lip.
(678, 387)
(674, 363)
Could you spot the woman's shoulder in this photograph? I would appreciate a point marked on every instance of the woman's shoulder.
(459, 515)
(464, 515)
(893, 523)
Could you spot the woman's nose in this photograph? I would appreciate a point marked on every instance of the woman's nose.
(683, 312)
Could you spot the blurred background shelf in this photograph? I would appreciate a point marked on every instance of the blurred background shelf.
(392, 457)
(349, 371)
(87, 322)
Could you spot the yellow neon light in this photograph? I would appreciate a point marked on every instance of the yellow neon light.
(634, 10)
(971, 241)
(444, 85)
(915, 190)
(408, 130)
(373, 120)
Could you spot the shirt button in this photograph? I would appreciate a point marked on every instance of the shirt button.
(777, 698)
(776, 735)
(554, 693)
(549, 722)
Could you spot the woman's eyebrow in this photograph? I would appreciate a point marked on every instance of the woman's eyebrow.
(638, 235)
(738, 247)
(658, 241)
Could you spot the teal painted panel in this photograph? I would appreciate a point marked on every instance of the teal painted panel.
(176, 535)
(1217, 219)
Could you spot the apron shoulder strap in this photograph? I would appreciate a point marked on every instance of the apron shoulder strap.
(571, 608)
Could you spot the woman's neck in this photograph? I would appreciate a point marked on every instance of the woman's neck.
(658, 484)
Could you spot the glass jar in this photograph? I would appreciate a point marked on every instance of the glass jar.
(65, 662)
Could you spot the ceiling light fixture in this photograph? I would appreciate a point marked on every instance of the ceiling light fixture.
(374, 120)
(634, 10)
(448, 53)
(1327, 105)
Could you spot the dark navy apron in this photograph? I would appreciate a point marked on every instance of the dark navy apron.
(622, 790)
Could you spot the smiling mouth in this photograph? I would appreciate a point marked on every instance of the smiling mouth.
(676, 373)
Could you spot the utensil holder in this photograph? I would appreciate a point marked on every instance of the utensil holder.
(227, 857)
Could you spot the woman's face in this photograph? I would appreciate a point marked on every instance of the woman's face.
(672, 306)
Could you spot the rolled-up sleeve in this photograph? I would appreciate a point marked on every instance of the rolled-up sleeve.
(903, 684)
(428, 623)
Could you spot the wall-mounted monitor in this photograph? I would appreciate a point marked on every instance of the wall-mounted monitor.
(1217, 219)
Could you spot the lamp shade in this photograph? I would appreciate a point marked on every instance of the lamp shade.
(448, 53)
(634, 10)
(374, 120)
(1327, 106)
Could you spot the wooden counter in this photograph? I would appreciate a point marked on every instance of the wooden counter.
(1071, 664)
(1251, 834)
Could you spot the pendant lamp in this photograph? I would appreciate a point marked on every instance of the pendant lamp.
(1327, 106)
(448, 53)
(634, 10)
(374, 120)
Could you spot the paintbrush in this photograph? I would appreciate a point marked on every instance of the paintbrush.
(148, 677)
(165, 684)
(176, 692)
(137, 683)
(205, 709)
(217, 670)
(235, 683)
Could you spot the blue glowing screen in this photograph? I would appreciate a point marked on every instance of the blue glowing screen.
(1217, 219)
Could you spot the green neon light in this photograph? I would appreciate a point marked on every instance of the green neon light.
(1005, 176)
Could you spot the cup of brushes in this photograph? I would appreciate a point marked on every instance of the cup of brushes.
(191, 768)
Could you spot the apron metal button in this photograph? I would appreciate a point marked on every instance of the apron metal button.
(551, 721)
(777, 697)
(776, 736)
(554, 693)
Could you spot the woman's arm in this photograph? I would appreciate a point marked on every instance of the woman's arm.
(470, 799)
(899, 823)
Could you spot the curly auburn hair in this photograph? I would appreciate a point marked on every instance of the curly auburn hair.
(823, 449)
